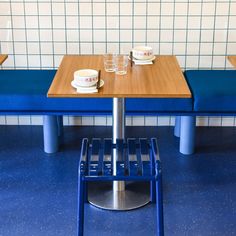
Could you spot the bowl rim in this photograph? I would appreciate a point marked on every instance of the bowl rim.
(138, 48)
(93, 74)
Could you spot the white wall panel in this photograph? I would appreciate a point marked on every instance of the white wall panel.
(36, 34)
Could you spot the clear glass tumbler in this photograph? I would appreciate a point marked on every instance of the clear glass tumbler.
(109, 62)
(121, 63)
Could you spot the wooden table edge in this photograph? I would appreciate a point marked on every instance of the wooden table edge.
(3, 57)
(232, 60)
(94, 95)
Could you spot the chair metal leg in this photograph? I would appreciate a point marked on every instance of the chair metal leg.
(153, 191)
(80, 206)
(152, 182)
(86, 192)
(159, 205)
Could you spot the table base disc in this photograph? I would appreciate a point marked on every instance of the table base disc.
(136, 194)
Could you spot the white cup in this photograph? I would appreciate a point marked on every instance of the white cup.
(109, 63)
(121, 64)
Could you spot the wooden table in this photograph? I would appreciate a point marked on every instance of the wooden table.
(163, 79)
(3, 57)
(232, 60)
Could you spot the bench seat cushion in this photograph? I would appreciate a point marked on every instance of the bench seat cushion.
(158, 105)
(23, 91)
(213, 90)
(26, 91)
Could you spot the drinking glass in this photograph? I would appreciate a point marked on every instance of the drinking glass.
(121, 63)
(109, 63)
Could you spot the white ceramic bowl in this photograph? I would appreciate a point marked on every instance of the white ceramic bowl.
(86, 77)
(142, 52)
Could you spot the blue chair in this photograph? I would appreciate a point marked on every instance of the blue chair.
(129, 169)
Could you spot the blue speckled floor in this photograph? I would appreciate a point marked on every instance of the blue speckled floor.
(38, 191)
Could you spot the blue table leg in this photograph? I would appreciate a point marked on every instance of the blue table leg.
(60, 128)
(177, 126)
(50, 133)
(187, 134)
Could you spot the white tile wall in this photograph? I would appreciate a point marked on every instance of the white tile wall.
(36, 34)
(163, 121)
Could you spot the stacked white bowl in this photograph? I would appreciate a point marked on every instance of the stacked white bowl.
(142, 53)
(86, 77)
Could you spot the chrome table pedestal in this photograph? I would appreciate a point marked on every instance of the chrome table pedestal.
(120, 195)
(135, 195)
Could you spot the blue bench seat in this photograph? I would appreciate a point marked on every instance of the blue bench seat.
(212, 90)
(158, 105)
(214, 93)
(25, 92)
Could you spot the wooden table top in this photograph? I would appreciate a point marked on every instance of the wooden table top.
(3, 57)
(232, 60)
(163, 79)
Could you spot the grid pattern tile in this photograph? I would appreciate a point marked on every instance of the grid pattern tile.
(36, 34)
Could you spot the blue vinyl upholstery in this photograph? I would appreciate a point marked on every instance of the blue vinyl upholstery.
(212, 90)
(26, 91)
(155, 105)
(23, 91)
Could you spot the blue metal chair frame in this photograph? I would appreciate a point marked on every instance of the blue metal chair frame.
(140, 162)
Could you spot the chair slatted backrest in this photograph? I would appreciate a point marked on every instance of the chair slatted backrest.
(133, 158)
